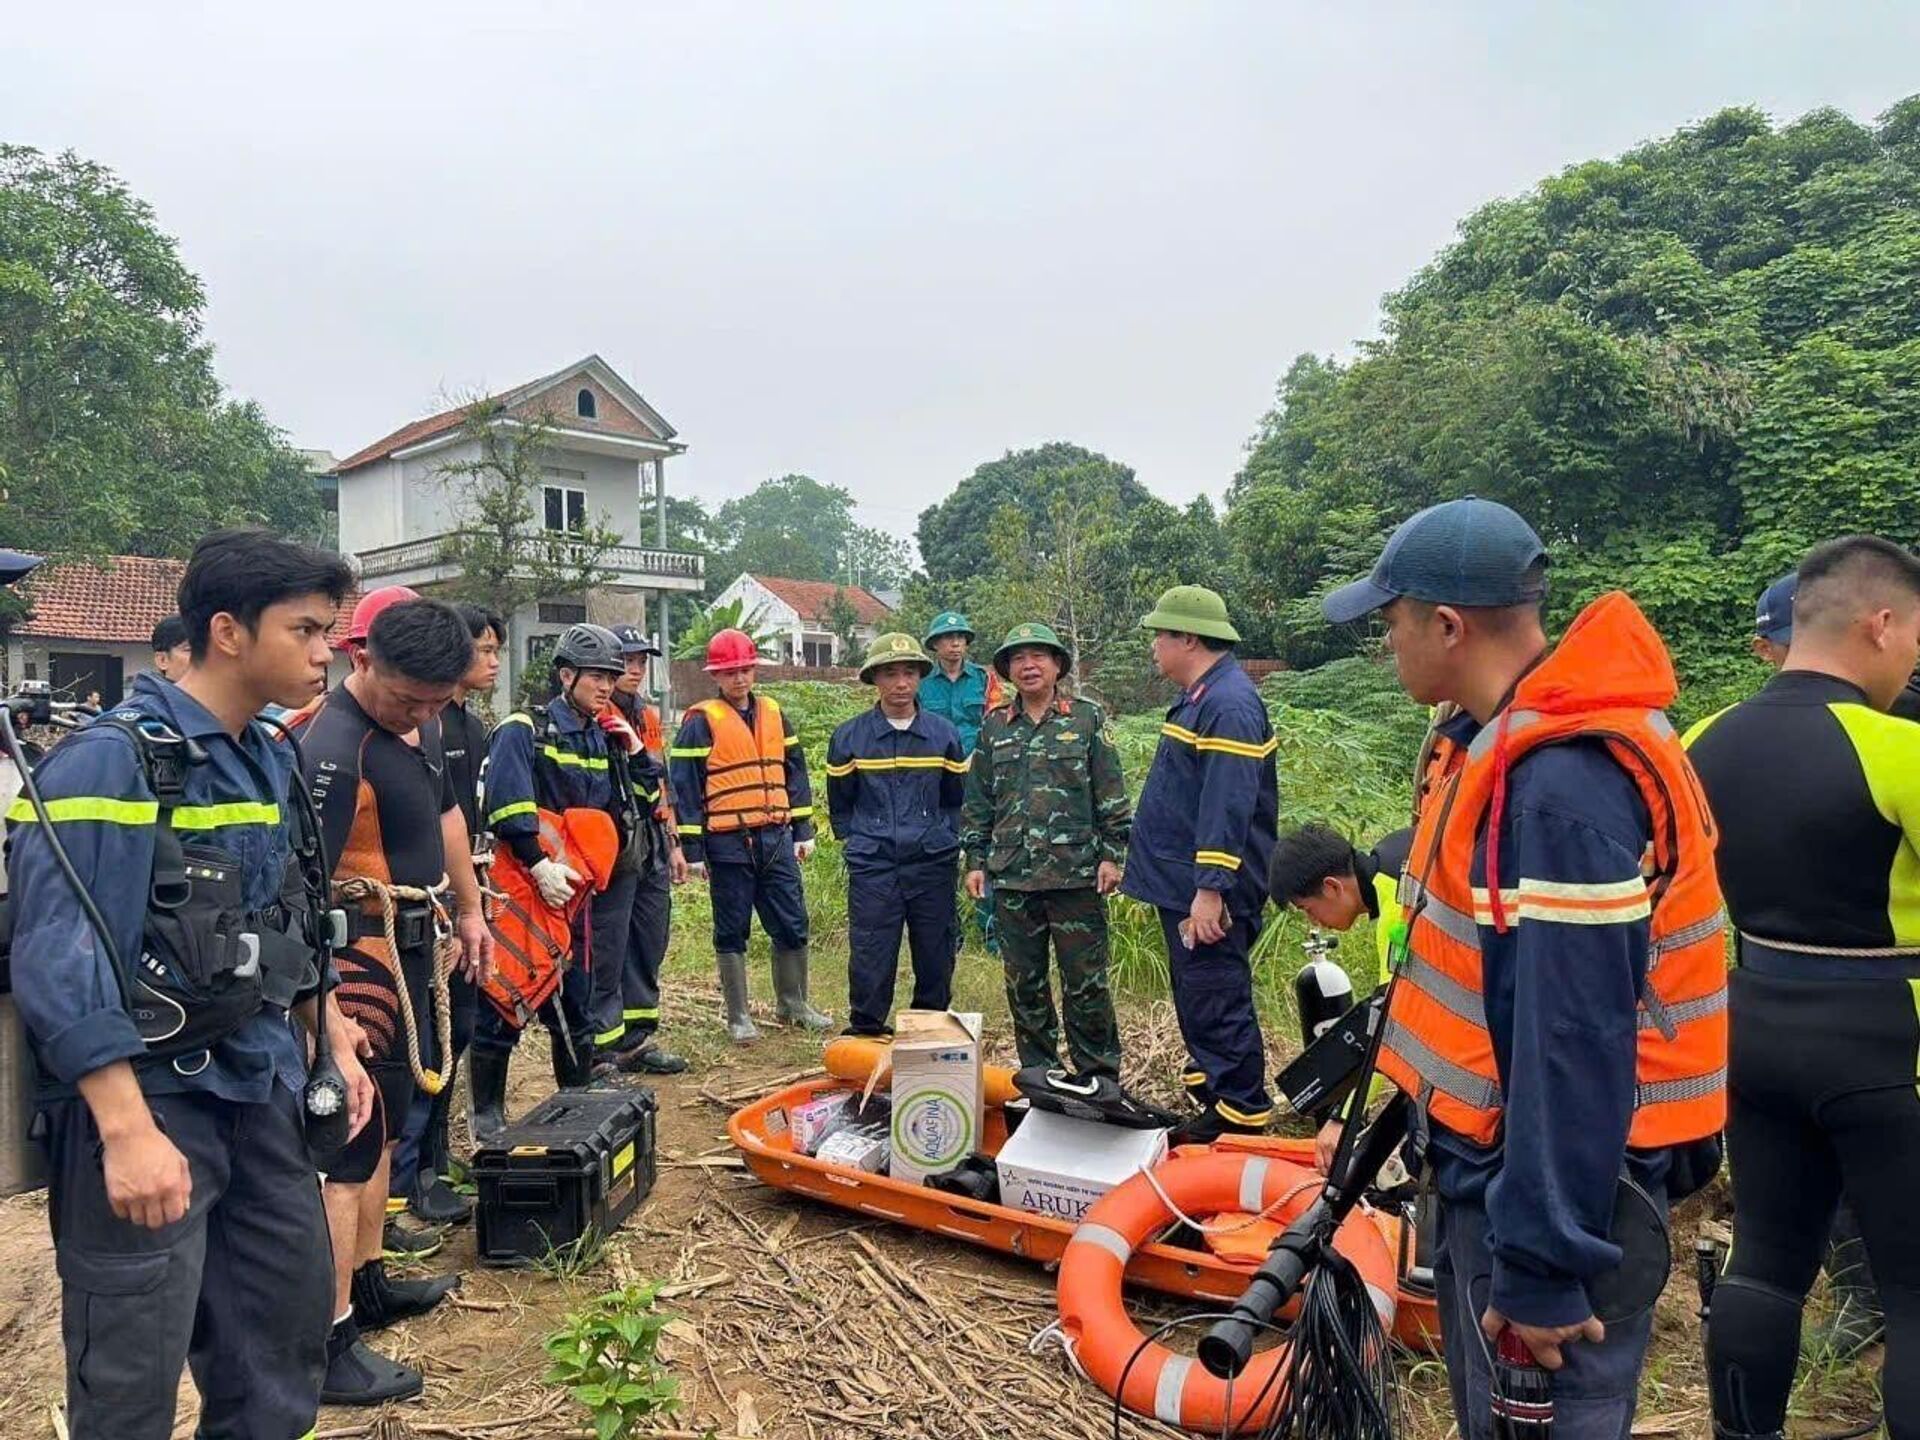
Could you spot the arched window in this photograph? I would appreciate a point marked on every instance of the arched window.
(584, 404)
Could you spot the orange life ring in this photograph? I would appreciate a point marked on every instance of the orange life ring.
(1161, 1384)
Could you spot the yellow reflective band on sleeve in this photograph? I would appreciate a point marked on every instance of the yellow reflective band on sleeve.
(1216, 857)
(519, 718)
(804, 812)
(1608, 902)
(691, 829)
(212, 817)
(611, 1037)
(958, 767)
(792, 740)
(507, 812)
(1247, 751)
(840, 772)
(689, 752)
(97, 808)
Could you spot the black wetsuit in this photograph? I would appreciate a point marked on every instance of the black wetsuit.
(1818, 802)
(381, 800)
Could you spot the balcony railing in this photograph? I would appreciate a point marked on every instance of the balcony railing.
(632, 563)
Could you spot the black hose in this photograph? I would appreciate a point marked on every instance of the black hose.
(10, 741)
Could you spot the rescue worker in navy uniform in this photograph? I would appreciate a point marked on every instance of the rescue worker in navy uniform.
(1545, 1049)
(186, 1216)
(1821, 868)
(1202, 840)
(372, 756)
(171, 653)
(557, 757)
(745, 807)
(422, 1160)
(896, 776)
(632, 1029)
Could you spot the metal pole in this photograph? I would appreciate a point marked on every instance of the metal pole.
(664, 628)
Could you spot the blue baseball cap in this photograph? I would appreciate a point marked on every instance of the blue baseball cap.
(1461, 552)
(1773, 616)
(632, 642)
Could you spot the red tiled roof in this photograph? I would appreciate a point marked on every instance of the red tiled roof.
(115, 604)
(810, 598)
(409, 434)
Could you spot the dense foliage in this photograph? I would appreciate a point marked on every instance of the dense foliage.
(115, 436)
(1685, 365)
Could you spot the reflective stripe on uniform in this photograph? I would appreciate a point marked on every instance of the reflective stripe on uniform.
(105, 810)
(1214, 744)
(1216, 857)
(1609, 902)
(1442, 987)
(568, 758)
(640, 1013)
(1689, 1087)
(689, 752)
(1243, 1117)
(1656, 1014)
(1455, 1080)
(508, 811)
(611, 1036)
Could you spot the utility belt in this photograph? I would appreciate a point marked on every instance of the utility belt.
(413, 924)
(1784, 960)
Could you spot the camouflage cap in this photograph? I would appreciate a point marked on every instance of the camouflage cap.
(1026, 635)
(894, 649)
(949, 622)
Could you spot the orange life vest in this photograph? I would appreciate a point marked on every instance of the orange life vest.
(746, 769)
(533, 942)
(1607, 680)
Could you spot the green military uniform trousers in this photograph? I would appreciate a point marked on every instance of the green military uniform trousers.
(1075, 923)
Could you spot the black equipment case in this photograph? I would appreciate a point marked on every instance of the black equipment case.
(579, 1163)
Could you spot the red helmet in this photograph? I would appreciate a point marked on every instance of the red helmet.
(369, 608)
(731, 650)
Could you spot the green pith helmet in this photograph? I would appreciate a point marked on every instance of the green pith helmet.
(948, 622)
(891, 650)
(1191, 610)
(1030, 634)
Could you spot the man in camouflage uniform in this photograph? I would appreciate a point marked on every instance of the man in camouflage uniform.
(1046, 817)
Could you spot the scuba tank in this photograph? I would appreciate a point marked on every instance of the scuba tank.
(1322, 993)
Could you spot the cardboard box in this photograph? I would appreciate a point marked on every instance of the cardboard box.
(936, 1092)
(858, 1147)
(1058, 1166)
(812, 1121)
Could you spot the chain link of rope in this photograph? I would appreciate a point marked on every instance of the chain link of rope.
(445, 948)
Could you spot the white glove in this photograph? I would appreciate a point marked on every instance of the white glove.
(802, 849)
(556, 882)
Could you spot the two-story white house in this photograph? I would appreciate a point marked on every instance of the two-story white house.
(794, 617)
(402, 501)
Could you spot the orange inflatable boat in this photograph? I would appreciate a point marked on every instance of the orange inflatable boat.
(760, 1132)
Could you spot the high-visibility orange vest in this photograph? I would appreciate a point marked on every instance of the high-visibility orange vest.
(1606, 680)
(746, 769)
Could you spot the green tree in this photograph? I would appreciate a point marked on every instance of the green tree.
(955, 534)
(842, 621)
(115, 436)
(798, 527)
(1685, 365)
(691, 643)
(504, 558)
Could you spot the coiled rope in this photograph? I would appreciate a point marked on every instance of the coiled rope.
(445, 948)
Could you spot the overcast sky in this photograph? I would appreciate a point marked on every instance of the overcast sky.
(877, 243)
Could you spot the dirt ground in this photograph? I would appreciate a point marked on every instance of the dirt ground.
(792, 1320)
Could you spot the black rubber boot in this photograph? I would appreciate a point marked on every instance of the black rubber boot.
(379, 1301)
(651, 1058)
(487, 1074)
(357, 1375)
(575, 1071)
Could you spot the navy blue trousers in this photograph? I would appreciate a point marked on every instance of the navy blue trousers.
(1213, 1000)
(766, 883)
(241, 1289)
(1593, 1393)
(918, 898)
